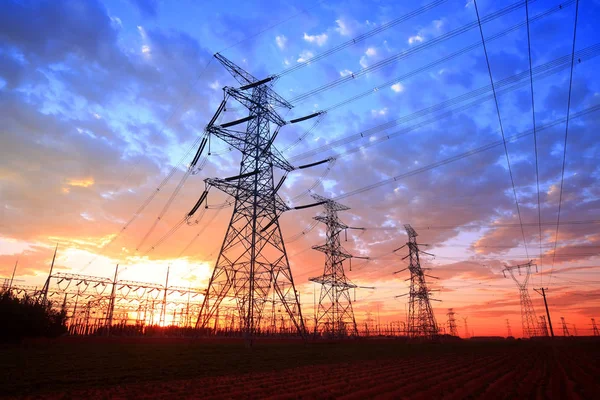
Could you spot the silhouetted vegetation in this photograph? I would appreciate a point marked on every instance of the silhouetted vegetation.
(27, 318)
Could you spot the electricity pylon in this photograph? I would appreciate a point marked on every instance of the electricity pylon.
(508, 330)
(252, 268)
(595, 328)
(565, 327)
(543, 327)
(421, 320)
(335, 316)
(452, 322)
(466, 328)
(528, 319)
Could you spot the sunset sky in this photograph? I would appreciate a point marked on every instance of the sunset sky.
(100, 100)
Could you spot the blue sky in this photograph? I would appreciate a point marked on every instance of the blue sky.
(100, 100)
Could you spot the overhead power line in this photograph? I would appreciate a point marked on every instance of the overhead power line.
(362, 37)
(512, 180)
(562, 174)
(414, 50)
(537, 170)
(464, 155)
(508, 85)
(440, 61)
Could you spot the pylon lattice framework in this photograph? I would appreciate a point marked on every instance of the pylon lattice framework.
(335, 316)
(252, 267)
(421, 320)
(528, 319)
(452, 322)
(565, 327)
(543, 331)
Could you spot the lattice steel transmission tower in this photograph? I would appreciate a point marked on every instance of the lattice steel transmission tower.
(543, 331)
(335, 316)
(528, 318)
(508, 330)
(565, 327)
(452, 322)
(421, 320)
(466, 327)
(595, 328)
(252, 268)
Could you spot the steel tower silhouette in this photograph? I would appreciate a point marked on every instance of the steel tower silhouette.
(252, 268)
(335, 316)
(528, 318)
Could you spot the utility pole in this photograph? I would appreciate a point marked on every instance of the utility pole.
(13, 275)
(421, 320)
(47, 284)
(164, 302)
(111, 303)
(466, 328)
(564, 327)
(528, 318)
(542, 292)
(508, 330)
(253, 260)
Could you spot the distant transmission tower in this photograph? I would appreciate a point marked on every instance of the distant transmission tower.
(466, 327)
(508, 330)
(543, 327)
(528, 318)
(565, 327)
(421, 320)
(252, 268)
(595, 328)
(335, 316)
(452, 322)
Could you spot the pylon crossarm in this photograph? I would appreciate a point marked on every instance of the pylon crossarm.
(229, 136)
(324, 248)
(248, 101)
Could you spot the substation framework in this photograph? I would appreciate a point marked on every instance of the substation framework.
(96, 305)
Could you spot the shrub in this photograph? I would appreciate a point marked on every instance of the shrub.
(27, 318)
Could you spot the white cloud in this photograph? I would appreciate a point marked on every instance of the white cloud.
(142, 32)
(281, 41)
(286, 62)
(343, 28)
(398, 87)
(371, 52)
(116, 22)
(415, 39)
(376, 113)
(318, 39)
(215, 85)
(304, 56)
(469, 3)
(145, 49)
(345, 72)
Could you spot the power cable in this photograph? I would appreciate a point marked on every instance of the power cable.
(512, 181)
(562, 175)
(362, 37)
(537, 171)
(409, 52)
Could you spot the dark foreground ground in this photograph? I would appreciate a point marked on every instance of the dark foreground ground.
(168, 368)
